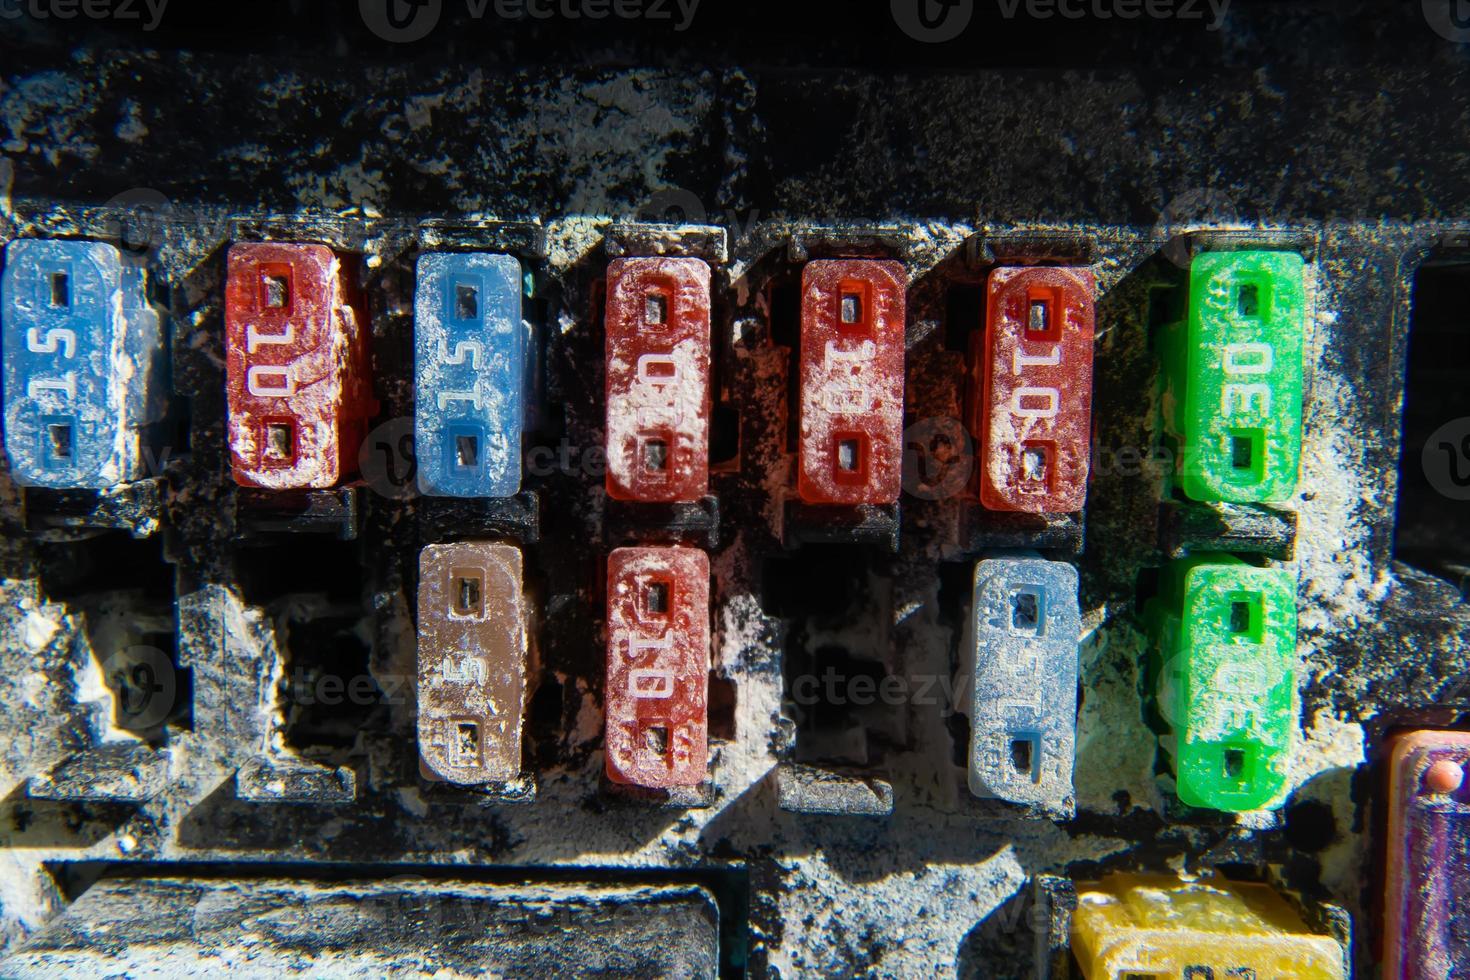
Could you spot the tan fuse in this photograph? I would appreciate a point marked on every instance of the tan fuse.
(472, 662)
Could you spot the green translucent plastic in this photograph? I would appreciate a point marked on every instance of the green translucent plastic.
(1224, 633)
(1233, 377)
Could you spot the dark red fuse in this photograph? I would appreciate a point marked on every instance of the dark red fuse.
(852, 350)
(657, 666)
(658, 369)
(1033, 416)
(296, 366)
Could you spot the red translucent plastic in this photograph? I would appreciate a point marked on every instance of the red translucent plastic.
(1034, 413)
(658, 370)
(296, 366)
(852, 353)
(657, 667)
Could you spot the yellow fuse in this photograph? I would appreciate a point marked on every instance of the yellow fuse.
(1154, 927)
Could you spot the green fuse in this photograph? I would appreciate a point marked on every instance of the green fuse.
(1233, 377)
(1224, 639)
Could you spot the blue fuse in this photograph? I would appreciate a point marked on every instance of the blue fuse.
(469, 372)
(1027, 624)
(84, 364)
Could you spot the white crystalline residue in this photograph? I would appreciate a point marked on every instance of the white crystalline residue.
(649, 406)
(37, 630)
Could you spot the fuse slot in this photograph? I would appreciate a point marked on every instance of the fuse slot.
(60, 434)
(466, 302)
(466, 592)
(279, 439)
(656, 309)
(275, 286)
(1026, 755)
(60, 290)
(1027, 614)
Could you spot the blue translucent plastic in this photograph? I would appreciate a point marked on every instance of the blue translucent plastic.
(469, 374)
(84, 364)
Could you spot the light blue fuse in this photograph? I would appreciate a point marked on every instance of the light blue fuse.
(85, 369)
(1027, 624)
(469, 373)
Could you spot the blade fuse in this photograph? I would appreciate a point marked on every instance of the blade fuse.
(658, 379)
(472, 659)
(1150, 927)
(656, 699)
(1233, 377)
(852, 364)
(1027, 625)
(1224, 635)
(84, 364)
(469, 374)
(296, 366)
(1035, 406)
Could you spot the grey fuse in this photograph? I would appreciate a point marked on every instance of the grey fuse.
(1026, 624)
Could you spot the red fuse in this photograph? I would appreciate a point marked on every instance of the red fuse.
(658, 397)
(1034, 413)
(657, 666)
(852, 346)
(296, 366)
